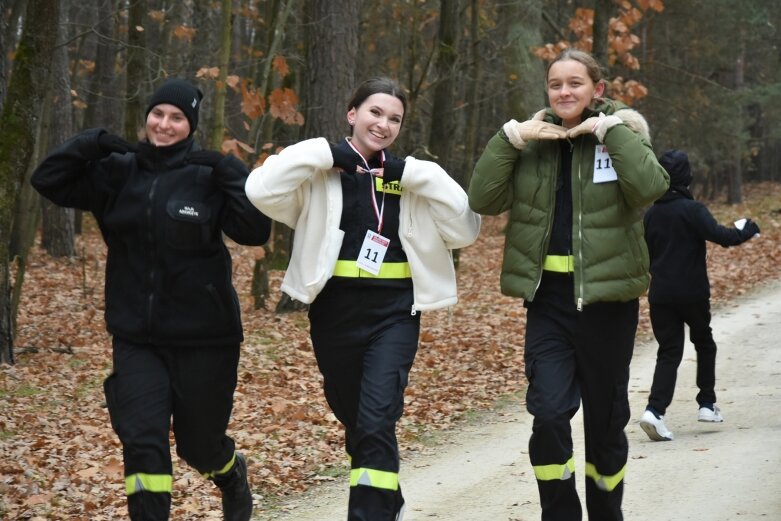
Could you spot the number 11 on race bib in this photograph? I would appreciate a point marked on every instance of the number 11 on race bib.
(603, 166)
(373, 251)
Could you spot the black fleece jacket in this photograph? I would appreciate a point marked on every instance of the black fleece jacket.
(168, 271)
(676, 228)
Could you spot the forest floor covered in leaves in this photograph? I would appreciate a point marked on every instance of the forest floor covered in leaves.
(59, 458)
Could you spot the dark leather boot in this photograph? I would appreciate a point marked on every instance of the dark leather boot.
(236, 495)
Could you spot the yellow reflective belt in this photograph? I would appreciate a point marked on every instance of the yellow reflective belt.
(149, 482)
(606, 483)
(554, 472)
(559, 263)
(223, 470)
(388, 270)
(374, 478)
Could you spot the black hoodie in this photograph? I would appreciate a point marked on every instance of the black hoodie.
(676, 228)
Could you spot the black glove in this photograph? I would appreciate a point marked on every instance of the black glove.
(393, 170)
(749, 230)
(205, 157)
(109, 143)
(346, 158)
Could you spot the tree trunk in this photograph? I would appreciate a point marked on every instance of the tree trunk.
(175, 52)
(332, 48)
(224, 53)
(735, 185)
(4, 54)
(57, 237)
(136, 70)
(102, 108)
(520, 22)
(261, 131)
(599, 33)
(279, 12)
(260, 284)
(475, 75)
(442, 130)
(18, 124)
(9, 29)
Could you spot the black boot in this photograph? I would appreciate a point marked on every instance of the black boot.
(236, 496)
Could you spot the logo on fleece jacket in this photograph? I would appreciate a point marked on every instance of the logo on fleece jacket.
(192, 211)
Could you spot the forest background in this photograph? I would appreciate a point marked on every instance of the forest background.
(705, 73)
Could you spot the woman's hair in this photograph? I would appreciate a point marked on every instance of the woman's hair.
(380, 85)
(592, 66)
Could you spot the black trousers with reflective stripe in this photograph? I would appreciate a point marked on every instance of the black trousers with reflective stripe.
(150, 386)
(667, 321)
(365, 340)
(570, 357)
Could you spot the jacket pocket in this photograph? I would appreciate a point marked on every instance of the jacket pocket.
(187, 225)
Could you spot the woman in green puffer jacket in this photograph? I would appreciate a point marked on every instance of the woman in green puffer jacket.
(575, 179)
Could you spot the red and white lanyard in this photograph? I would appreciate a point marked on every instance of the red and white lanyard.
(379, 212)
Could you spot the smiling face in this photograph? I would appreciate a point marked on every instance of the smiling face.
(571, 90)
(376, 123)
(166, 125)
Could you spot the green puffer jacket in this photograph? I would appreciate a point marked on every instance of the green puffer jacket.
(611, 257)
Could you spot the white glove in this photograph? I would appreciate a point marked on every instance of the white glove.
(535, 128)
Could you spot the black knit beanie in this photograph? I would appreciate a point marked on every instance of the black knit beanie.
(676, 162)
(182, 94)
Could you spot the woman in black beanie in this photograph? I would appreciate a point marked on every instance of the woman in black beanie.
(162, 207)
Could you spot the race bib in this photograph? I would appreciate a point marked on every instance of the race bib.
(373, 251)
(603, 166)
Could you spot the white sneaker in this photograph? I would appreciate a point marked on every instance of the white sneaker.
(654, 427)
(707, 415)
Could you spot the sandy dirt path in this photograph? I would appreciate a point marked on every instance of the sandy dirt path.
(710, 472)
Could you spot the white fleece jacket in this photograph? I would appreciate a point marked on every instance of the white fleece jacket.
(297, 187)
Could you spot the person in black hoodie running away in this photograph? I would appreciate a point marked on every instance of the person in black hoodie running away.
(162, 207)
(676, 228)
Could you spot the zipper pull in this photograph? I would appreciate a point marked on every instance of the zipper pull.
(580, 304)
(413, 311)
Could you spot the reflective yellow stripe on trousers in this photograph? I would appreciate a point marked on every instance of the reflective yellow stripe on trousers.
(149, 482)
(374, 478)
(388, 270)
(223, 470)
(559, 263)
(555, 471)
(606, 483)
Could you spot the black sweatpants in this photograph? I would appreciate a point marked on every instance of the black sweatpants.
(148, 387)
(572, 356)
(365, 340)
(667, 321)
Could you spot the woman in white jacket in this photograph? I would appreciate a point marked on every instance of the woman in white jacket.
(372, 242)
